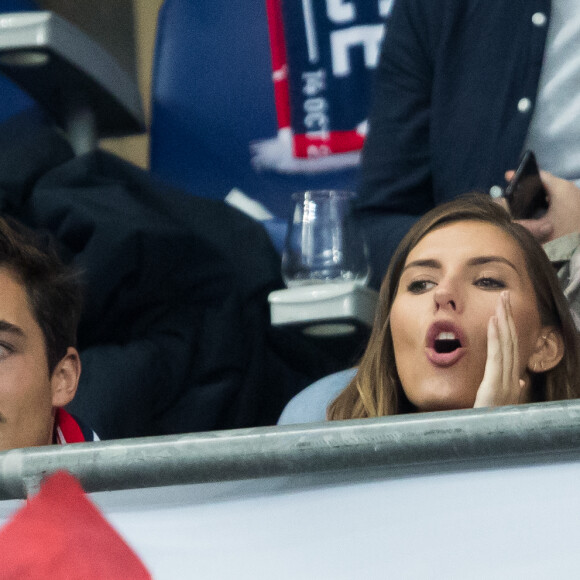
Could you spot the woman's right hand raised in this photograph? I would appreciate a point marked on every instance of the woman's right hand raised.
(501, 384)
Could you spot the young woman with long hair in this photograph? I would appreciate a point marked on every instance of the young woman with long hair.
(470, 314)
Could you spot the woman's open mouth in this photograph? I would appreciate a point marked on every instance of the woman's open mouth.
(445, 344)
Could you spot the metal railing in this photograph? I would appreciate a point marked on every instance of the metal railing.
(422, 441)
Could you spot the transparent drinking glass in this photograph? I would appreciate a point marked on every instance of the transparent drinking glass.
(323, 242)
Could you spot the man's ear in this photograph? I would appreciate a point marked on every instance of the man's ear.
(65, 378)
(549, 350)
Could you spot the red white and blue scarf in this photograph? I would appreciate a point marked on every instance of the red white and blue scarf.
(324, 53)
(68, 429)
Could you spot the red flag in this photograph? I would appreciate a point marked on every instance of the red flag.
(60, 533)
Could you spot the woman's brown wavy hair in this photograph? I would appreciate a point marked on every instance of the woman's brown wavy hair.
(376, 389)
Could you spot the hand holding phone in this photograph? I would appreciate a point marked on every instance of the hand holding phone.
(525, 193)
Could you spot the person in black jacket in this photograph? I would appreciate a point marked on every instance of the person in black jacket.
(461, 89)
(175, 335)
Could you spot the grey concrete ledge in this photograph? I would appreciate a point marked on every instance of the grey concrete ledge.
(391, 443)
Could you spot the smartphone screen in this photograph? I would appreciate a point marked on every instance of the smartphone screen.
(525, 193)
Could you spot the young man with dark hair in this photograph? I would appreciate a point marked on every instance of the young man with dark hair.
(40, 306)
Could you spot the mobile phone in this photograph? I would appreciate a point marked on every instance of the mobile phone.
(525, 193)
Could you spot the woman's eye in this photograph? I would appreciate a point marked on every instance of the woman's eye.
(418, 286)
(492, 283)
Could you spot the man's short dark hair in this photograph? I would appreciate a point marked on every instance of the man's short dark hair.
(53, 288)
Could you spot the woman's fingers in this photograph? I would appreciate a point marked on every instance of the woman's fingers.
(492, 376)
(505, 345)
(515, 367)
(501, 384)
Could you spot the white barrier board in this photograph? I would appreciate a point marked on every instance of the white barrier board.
(513, 522)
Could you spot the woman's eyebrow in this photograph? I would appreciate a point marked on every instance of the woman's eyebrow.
(480, 260)
(423, 264)
(477, 261)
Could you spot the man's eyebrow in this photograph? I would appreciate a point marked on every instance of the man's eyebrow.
(6, 326)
